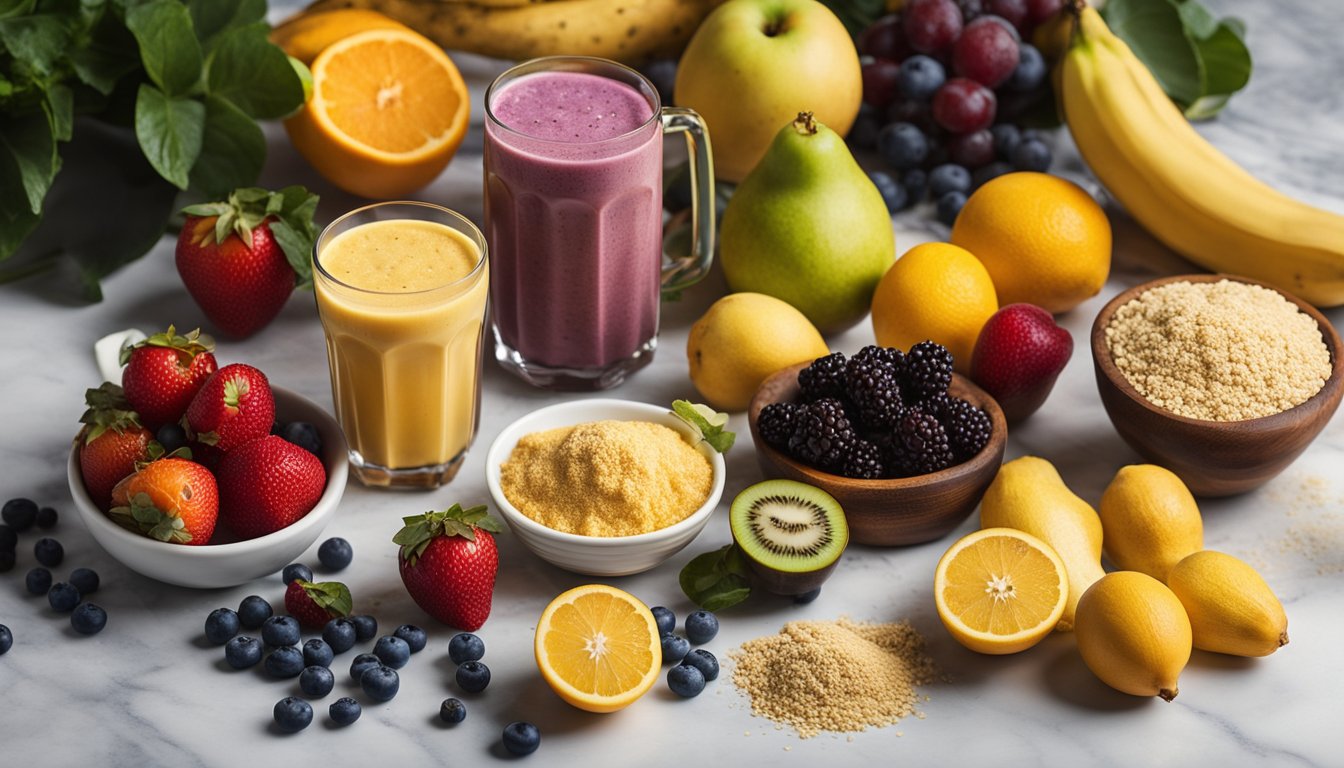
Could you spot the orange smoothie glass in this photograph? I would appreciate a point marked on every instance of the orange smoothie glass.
(401, 290)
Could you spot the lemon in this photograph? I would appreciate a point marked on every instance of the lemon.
(935, 291)
(741, 340)
(1133, 633)
(1231, 608)
(1043, 239)
(598, 648)
(1149, 520)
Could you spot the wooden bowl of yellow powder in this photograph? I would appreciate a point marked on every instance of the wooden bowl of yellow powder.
(604, 487)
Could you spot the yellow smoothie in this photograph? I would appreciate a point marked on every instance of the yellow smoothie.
(402, 302)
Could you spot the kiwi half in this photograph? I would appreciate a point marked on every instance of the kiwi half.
(792, 534)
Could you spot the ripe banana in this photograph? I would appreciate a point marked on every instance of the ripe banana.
(1180, 187)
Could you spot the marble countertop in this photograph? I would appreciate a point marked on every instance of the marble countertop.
(149, 691)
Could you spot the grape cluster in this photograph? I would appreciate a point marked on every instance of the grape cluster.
(943, 82)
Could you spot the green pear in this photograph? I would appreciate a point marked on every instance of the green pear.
(808, 226)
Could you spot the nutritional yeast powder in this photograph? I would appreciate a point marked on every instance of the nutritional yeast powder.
(1223, 351)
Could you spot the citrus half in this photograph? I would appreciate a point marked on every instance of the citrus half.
(598, 647)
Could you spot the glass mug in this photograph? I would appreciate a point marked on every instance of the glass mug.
(573, 215)
(401, 291)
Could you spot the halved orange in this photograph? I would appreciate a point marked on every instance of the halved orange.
(598, 647)
(1000, 590)
(389, 109)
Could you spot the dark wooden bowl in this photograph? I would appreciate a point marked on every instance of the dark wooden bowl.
(1213, 458)
(894, 512)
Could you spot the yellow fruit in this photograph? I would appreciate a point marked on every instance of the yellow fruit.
(1133, 634)
(306, 35)
(1043, 239)
(598, 648)
(1149, 520)
(1028, 494)
(388, 110)
(1231, 608)
(935, 291)
(742, 339)
(1000, 590)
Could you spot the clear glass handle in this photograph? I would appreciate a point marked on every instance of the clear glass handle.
(687, 271)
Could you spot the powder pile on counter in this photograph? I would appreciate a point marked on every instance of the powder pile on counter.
(1223, 351)
(834, 675)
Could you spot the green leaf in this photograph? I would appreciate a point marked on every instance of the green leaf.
(716, 580)
(1155, 31)
(1207, 107)
(233, 150)
(170, 132)
(60, 108)
(331, 595)
(212, 18)
(856, 14)
(1227, 60)
(30, 144)
(12, 8)
(1197, 19)
(39, 41)
(168, 46)
(248, 70)
(708, 422)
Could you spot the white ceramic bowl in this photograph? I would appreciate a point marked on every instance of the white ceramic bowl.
(596, 555)
(225, 565)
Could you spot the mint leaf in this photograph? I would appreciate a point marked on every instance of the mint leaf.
(30, 143)
(716, 580)
(1155, 31)
(60, 108)
(39, 41)
(255, 75)
(233, 150)
(708, 422)
(168, 46)
(212, 18)
(170, 132)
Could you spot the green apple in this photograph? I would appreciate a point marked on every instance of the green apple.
(755, 64)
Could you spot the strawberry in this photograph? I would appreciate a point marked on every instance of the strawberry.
(240, 259)
(1018, 356)
(112, 443)
(234, 407)
(268, 484)
(314, 604)
(172, 500)
(164, 372)
(448, 563)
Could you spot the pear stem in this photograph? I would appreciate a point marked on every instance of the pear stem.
(805, 124)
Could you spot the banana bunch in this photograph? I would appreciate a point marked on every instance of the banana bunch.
(625, 30)
(1180, 187)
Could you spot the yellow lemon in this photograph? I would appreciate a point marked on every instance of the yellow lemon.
(1133, 634)
(935, 291)
(1232, 610)
(1149, 520)
(598, 647)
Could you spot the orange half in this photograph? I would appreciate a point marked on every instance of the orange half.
(598, 648)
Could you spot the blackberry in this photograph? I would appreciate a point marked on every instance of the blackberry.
(822, 434)
(776, 423)
(928, 371)
(889, 355)
(864, 461)
(825, 377)
(967, 426)
(876, 391)
(919, 445)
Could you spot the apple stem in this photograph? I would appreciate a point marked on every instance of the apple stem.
(805, 124)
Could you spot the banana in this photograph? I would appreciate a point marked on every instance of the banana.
(1180, 187)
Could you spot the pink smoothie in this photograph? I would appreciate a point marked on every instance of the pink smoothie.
(573, 218)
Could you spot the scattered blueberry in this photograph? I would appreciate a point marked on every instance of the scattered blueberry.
(335, 553)
(316, 652)
(1006, 136)
(285, 661)
(701, 627)
(363, 663)
(7, 560)
(296, 571)
(920, 77)
(19, 514)
(221, 625)
(664, 618)
(916, 183)
(9, 540)
(948, 178)
(365, 627)
(88, 619)
(280, 631)
(380, 683)
(38, 581)
(316, 682)
(63, 597)
(293, 714)
(414, 637)
(893, 194)
(339, 634)
(521, 738)
(686, 681)
(863, 133)
(392, 651)
(949, 205)
(304, 435)
(466, 647)
(1031, 155)
(675, 648)
(473, 676)
(254, 611)
(1030, 71)
(48, 552)
(46, 518)
(171, 436)
(704, 661)
(7, 640)
(902, 145)
(344, 711)
(452, 711)
(987, 172)
(85, 580)
(807, 597)
(242, 652)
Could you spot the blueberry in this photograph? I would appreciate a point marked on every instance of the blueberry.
(1032, 155)
(686, 681)
(392, 651)
(253, 611)
(902, 145)
(344, 711)
(452, 711)
(986, 173)
(414, 637)
(284, 661)
(304, 435)
(9, 540)
(675, 648)
(363, 663)
(466, 647)
(88, 619)
(280, 631)
(335, 554)
(521, 738)
(893, 194)
(316, 652)
(293, 714)
(6, 640)
(921, 77)
(664, 618)
(221, 625)
(85, 580)
(365, 627)
(863, 133)
(949, 205)
(1030, 71)
(38, 581)
(380, 683)
(7, 560)
(63, 597)
(19, 514)
(296, 571)
(242, 652)
(48, 552)
(1006, 136)
(704, 661)
(339, 634)
(701, 627)
(473, 676)
(171, 436)
(948, 178)
(916, 183)
(316, 681)
(807, 597)
(46, 518)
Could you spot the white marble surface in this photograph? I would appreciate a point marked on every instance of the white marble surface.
(148, 691)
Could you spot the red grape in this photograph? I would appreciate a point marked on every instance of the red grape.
(1040, 10)
(972, 150)
(881, 82)
(963, 106)
(986, 52)
(884, 39)
(1014, 11)
(931, 25)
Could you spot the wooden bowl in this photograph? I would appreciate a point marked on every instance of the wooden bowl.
(900, 511)
(1213, 458)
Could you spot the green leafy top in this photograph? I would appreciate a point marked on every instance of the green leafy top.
(187, 346)
(108, 409)
(717, 580)
(142, 516)
(420, 530)
(707, 421)
(332, 596)
(289, 211)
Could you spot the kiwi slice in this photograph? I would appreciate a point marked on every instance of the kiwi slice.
(792, 534)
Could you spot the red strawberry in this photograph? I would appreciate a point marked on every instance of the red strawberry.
(242, 258)
(1018, 356)
(234, 408)
(314, 604)
(267, 485)
(172, 500)
(448, 563)
(112, 443)
(164, 372)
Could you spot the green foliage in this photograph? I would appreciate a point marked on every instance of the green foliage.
(856, 14)
(717, 580)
